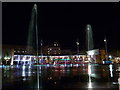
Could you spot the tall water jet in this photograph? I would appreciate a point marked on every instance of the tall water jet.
(33, 38)
(33, 33)
(91, 52)
(89, 38)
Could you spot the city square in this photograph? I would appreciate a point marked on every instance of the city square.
(60, 46)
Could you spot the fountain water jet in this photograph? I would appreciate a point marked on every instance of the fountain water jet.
(91, 52)
(33, 33)
(89, 37)
(33, 39)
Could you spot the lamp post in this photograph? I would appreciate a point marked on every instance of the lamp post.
(105, 40)
(77, 47)
(41, 51)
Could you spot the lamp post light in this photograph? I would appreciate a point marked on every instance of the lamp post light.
(77, 46)
(77, 49)
(105, 40)
(41, 52)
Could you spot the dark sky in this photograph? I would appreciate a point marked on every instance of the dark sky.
(63, 22)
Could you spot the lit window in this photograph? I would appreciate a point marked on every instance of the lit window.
(50, 48)
(48, 51)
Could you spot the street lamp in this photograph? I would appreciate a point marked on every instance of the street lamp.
(106, 49)
(77, 47)
(41, 51)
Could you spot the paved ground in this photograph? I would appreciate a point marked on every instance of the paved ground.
(76, 77)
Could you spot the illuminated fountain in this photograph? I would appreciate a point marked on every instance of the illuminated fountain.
(89, 74)
(91, 52)
(89, 38)
(32, 42)
(33, 39)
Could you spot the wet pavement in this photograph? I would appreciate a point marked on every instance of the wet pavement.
(76, 77)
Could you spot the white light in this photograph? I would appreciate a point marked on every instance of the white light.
(6, 58)
(23, 70)
(89, 69)
(90, 85)
(77, 43)
(111, 73)
(35, 6)
(104, 40)
(54, 44)
(110, 56)
(89, 73)
(119, 81)
(77, 65)
(88, 28)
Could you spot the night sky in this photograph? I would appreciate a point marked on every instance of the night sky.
(63, 22)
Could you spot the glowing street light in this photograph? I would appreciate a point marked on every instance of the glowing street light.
(105, 40)
(77, 46)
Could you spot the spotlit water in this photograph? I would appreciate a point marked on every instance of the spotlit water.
(89, 37)
(60, 77)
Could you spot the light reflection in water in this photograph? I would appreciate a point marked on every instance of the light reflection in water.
(89, 69)
(119, 81)
(29, 71)
(77, 65)
(111, 70)
(48, 65)
(89, 73)
(23, 71)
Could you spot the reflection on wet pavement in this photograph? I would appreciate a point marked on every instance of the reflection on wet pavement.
(87, 76)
